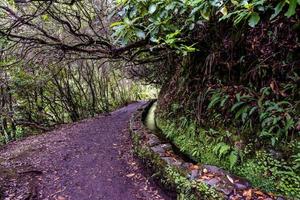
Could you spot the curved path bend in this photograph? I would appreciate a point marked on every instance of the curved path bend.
(88, 160)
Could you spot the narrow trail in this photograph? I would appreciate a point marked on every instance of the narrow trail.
(91, 159)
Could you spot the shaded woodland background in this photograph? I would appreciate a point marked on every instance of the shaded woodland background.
(54, 68)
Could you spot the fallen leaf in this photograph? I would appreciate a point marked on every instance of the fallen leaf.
(205, 177)
(230, 179)
(61, 198)
(130, 175)
(259, 193)
(248, 194)
(192, 167)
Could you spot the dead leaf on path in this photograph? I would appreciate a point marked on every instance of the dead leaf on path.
(61, 198)
(193, 167)
(230, 179)
(237, 197)
(130, 175)
(271, 194)
(248, 194)
(259, 193)
(205, 178)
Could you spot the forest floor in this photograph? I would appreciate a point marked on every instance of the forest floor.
(91, 159)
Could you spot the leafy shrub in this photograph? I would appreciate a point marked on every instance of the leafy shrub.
(169, 22)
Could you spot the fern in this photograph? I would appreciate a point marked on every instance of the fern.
(233, 158)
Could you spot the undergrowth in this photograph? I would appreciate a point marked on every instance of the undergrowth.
(171, 177)
(264, 168)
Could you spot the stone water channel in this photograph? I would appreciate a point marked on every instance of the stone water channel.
(231, 186)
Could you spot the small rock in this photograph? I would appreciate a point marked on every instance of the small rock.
(225, 190)
(280, 198)
(224, 187)
(212, 182)
(241, 185)
(185, 165)
(158, 149)
(172, 161)
(214, 169)
(194, 174)
(166, 146)
(153, 140)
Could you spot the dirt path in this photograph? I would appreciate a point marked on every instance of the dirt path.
(91, 159)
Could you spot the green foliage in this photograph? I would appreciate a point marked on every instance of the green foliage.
(235, 92)
(282, 173)
(273, 121)
(224, 150)
(38, 98)
(172, 177)
(277, 120)
(266, 170)
(221, 149)
(169, 22)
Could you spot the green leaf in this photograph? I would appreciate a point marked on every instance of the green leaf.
(121, 2)
(241, 111)
(234, 2)
(221, 149)
(254, 19)
(205, 14)
(214, 100)
(292, 8)
(224, 101)
(252, 110)
(116, 24)
(233, 158)
(192, 26)
(238, 96)
(224, 11)
(45, 17)
(152, 8)
(217, 147)
(140, 34)
(224, 150)
(235, 106)
(278, 9)
(273, 141)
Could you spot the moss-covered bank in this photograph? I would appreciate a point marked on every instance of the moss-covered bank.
(170, 172)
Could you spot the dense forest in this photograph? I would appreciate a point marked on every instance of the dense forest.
(228, 72)
(43, 85)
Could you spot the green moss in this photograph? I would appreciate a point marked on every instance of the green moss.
(171, 177)
(261, 168)
(195, 143)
